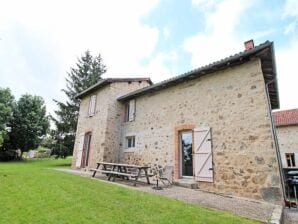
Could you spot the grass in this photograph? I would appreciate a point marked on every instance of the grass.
(32, 192)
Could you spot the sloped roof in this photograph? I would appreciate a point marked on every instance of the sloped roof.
(264, 51)
(286, 117)
(104, 82)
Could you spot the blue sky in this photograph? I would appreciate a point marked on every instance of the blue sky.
(41, 40)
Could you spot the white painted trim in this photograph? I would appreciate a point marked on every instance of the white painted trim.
(130, 149)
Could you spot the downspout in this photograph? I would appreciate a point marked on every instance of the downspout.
(275, 140)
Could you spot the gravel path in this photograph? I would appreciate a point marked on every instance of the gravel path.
(242, 207)
(291, 216)
(252, 209)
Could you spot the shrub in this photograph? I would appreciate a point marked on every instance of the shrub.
(7, 155)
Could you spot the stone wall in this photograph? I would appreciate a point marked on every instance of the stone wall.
(104, 125)
(234, 104)
(95, 124)
(116, 117)
(288, 142)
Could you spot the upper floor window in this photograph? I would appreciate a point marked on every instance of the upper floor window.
(290, 158)
(130, 108)
(92, 104)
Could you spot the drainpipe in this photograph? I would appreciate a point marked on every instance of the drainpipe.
(273, 129)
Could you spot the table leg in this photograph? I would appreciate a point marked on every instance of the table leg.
(137, 177)
(114, 176)
(125, 171)
(110, 175)
(147, 177)
(93, 175)
(295, 194)
(120, 170)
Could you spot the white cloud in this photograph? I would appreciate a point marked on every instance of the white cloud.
(221, 38)
(286, 60)
(291, 8)
(290, 28)
(206, 4)
(63, 30)
(166, 33)
(218, 40)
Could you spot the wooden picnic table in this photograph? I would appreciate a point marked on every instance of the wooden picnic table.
(121, 170)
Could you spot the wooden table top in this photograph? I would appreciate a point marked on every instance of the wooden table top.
(124, 165)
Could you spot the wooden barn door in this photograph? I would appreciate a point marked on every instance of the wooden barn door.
(203, 166)
(80, 150)
(86, 150)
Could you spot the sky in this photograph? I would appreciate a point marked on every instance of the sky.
(41, 40)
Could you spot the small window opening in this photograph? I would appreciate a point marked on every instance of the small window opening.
(129, 111)
(130, 141)
(290, 157)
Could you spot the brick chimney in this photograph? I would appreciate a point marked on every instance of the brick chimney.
(249, 44)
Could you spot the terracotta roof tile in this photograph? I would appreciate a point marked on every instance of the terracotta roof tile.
(286, 117)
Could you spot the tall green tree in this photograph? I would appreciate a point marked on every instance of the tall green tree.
(29, 123)
(6, 105)
(87, 72)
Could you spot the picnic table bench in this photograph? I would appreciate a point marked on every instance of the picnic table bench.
(124, 171)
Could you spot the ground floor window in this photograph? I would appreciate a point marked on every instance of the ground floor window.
(130, 141)
(290, 158)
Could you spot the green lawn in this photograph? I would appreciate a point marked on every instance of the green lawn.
(32, 192)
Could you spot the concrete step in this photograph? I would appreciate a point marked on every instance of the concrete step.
(187, 183)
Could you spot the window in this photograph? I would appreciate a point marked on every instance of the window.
(92, 104)
(130, 141)
(130, 111)
(290, 157)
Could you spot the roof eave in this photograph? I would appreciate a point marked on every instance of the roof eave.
(217, 66)
(105, 82)
(92, 88)
(277, 106)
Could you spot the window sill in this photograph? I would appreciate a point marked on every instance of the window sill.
(130, 150)
(127, 122)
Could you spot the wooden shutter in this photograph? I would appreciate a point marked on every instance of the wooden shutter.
(80, 150)
(203, 166)
(132, 106)
(92, 105)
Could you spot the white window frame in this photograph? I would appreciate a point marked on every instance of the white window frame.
(132, 147)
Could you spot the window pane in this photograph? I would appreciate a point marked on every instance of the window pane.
(126, 112)
(293, 159)
(186, 153)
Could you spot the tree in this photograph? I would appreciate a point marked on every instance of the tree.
(29, 123)
(87, 72)
(6, 105)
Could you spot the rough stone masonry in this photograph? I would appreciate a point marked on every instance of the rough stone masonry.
(231, 101)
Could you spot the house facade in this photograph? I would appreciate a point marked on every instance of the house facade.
(213, 125)
(286, 122)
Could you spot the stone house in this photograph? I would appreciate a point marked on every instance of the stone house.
(286, 122)
(213, 125)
